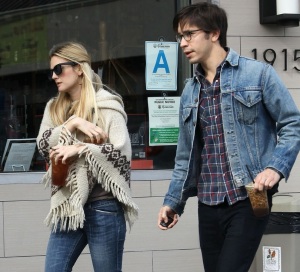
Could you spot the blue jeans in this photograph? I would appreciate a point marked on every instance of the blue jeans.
(104, 231)
(229, 236)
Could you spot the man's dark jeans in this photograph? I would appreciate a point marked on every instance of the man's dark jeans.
(229, 236)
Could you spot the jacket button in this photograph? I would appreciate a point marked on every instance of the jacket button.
(194, 123)
(196, 100)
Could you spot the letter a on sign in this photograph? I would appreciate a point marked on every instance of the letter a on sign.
(163, 65)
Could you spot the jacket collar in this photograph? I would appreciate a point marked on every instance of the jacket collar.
(232, 57)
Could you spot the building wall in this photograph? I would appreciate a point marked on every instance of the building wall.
(23, 237)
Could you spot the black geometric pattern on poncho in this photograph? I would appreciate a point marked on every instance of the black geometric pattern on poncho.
(118, 161)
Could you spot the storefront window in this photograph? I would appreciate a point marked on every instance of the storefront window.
(114, 32)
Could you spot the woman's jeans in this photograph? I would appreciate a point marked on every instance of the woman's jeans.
(104, 231)
(229, 236)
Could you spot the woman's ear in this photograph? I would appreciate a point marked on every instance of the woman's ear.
(78, 70)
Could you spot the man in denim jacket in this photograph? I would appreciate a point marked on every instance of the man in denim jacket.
(237, 121)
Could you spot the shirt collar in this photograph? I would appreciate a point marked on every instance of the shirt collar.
(200, 72)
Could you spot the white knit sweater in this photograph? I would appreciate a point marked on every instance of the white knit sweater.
(107, 164)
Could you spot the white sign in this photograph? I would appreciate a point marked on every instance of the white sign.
(163, 120)
(18, 154)
(271, 259)
(161, 65)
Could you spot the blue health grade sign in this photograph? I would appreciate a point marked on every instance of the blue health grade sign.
(161, 65)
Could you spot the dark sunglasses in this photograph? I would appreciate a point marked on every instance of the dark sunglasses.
(57, 69)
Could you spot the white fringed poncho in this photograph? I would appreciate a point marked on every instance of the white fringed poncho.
(107, 164)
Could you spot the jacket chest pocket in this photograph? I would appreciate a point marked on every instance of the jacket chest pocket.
(189, 116)
(247, 105)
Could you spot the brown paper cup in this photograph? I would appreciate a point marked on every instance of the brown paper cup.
(259, 200)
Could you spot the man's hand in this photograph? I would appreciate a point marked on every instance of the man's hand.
(166, 214)
(266, 179)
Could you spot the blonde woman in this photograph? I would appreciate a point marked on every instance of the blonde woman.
(94, 203)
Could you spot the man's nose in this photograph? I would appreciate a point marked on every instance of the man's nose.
(183, 42)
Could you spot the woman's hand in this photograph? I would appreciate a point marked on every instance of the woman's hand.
(66, 153)
(95, 134)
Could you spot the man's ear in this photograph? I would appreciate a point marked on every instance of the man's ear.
(215, 35)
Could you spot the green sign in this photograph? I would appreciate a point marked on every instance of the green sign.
(164, 135)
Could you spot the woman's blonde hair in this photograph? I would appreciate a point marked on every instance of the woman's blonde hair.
(62, 107)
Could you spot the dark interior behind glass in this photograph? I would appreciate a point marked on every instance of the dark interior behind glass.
(114, 33)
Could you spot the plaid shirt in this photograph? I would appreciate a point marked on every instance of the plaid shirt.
(216, 181)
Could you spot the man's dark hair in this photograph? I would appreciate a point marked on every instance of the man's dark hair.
(208, 17)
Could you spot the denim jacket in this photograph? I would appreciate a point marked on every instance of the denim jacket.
(261, 125)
